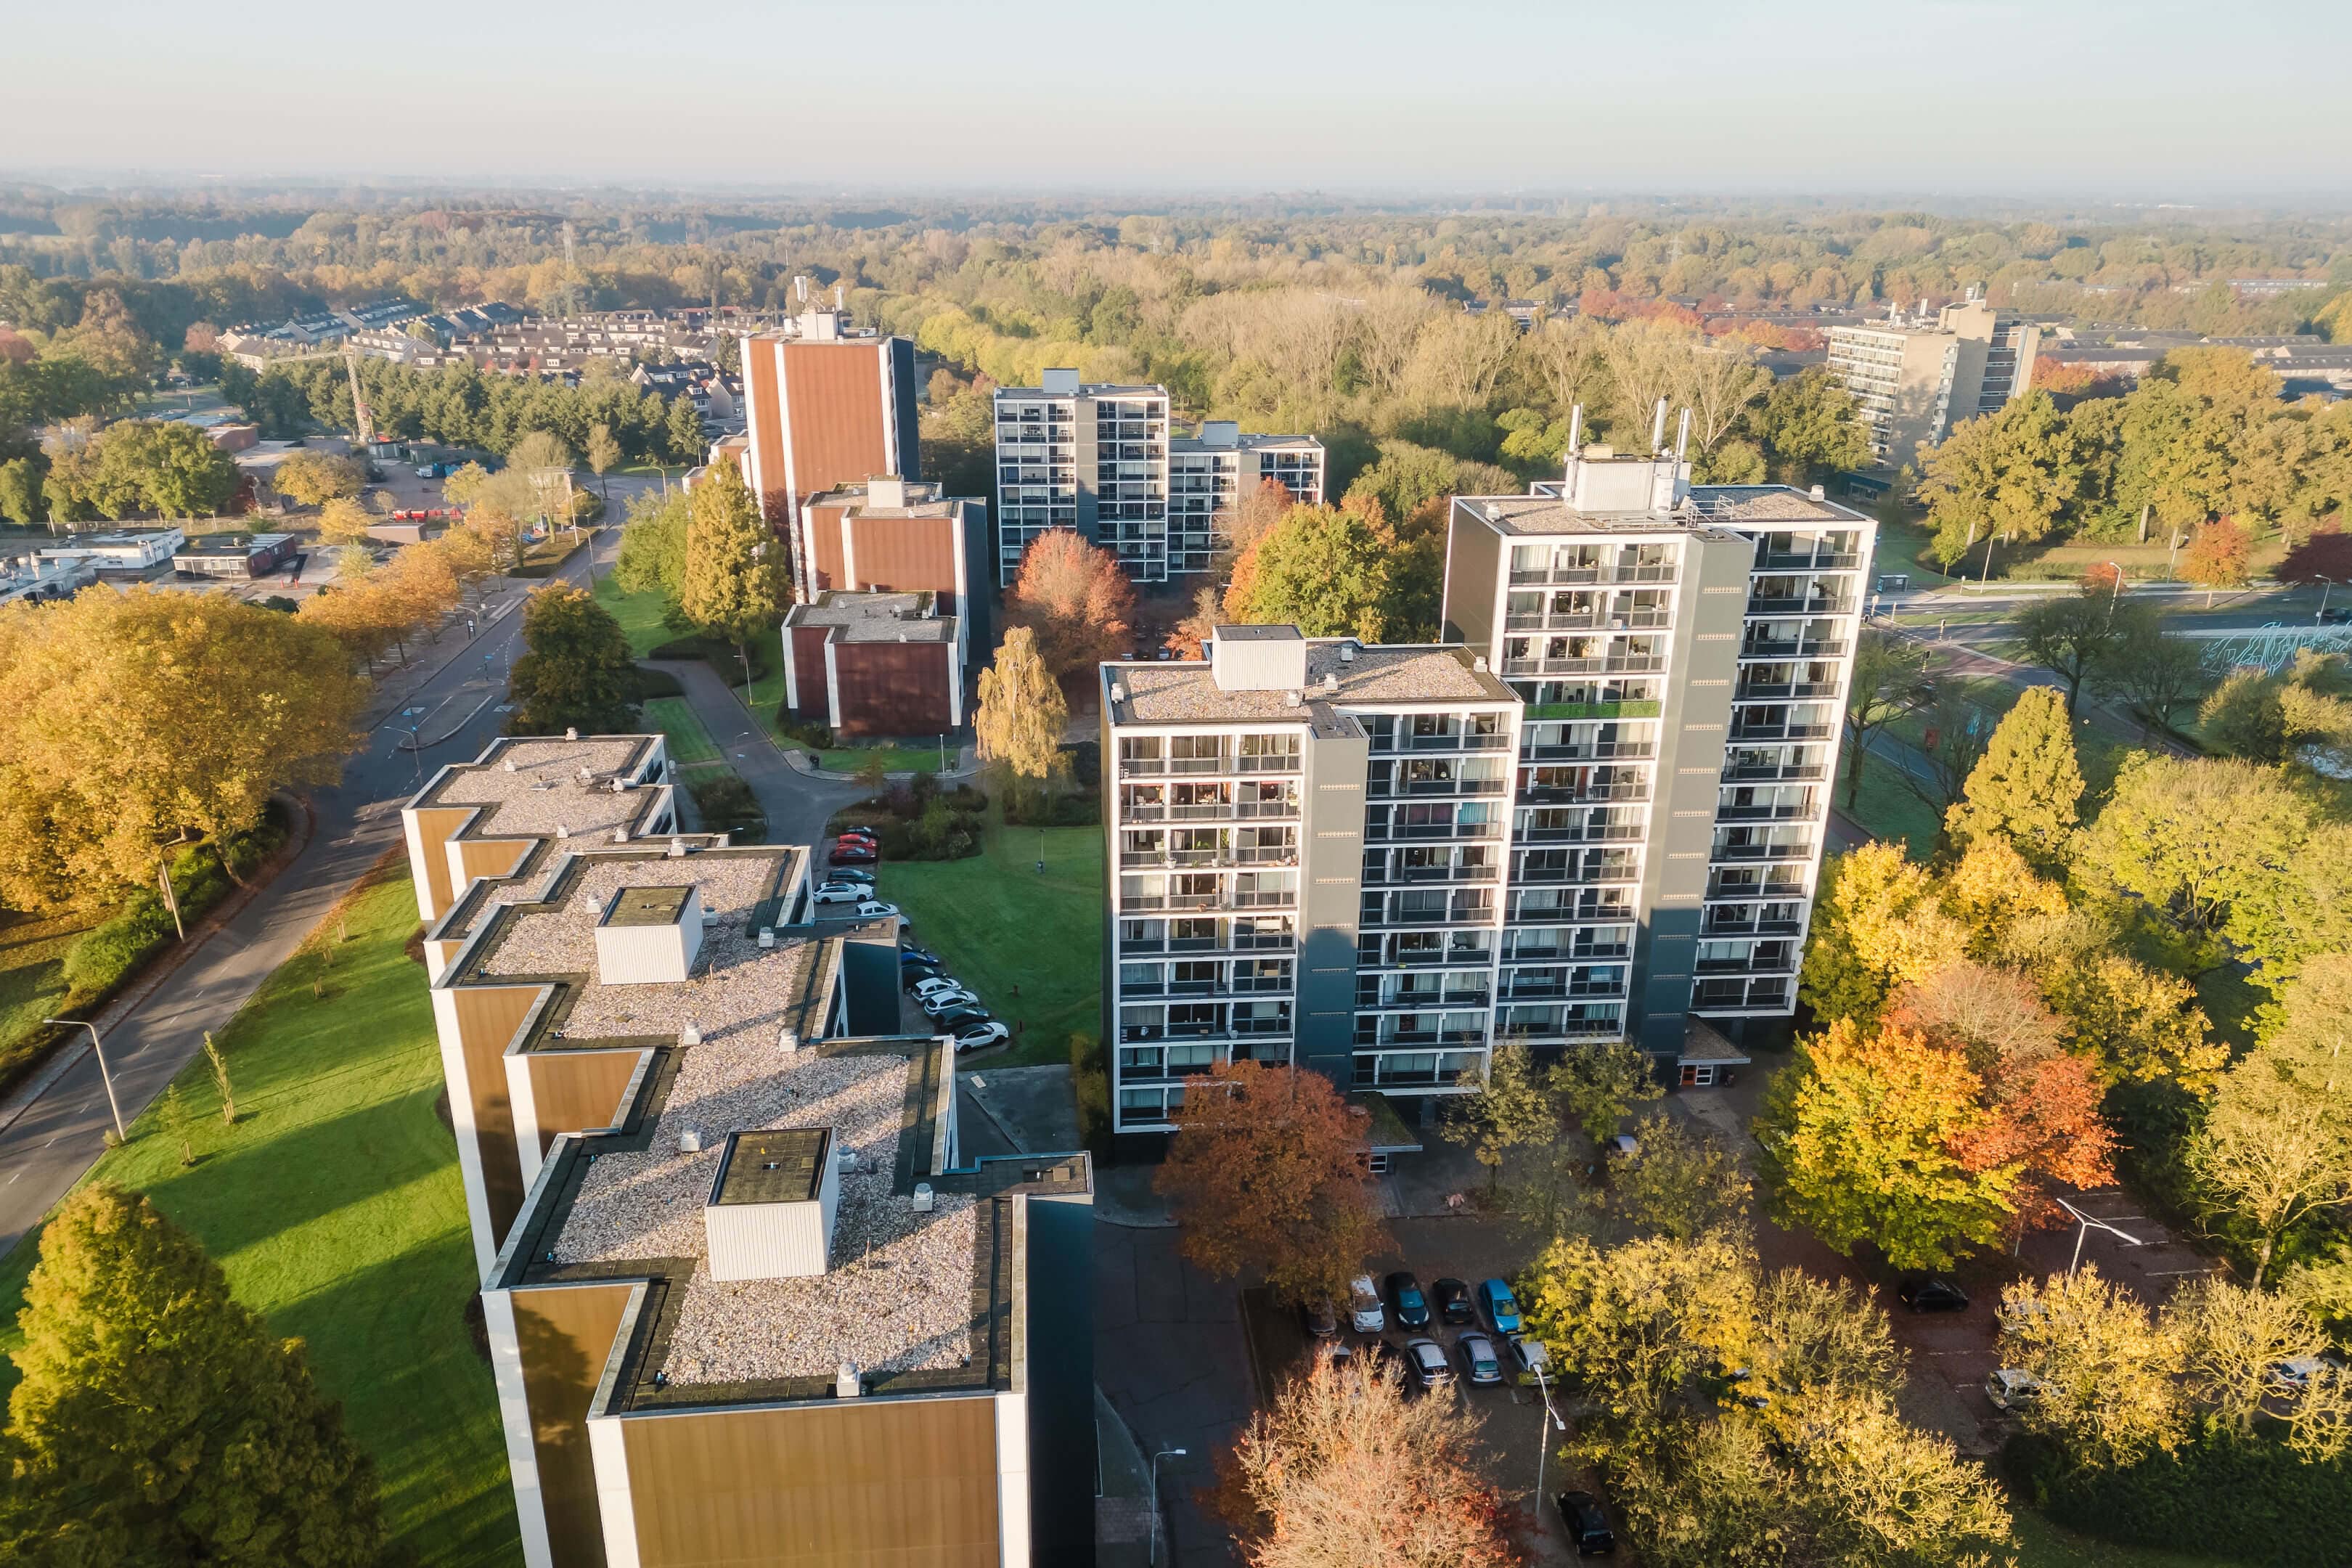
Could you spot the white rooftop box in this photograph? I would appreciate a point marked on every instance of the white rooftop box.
(1257, 659)
(647, 936)
(770, 1215)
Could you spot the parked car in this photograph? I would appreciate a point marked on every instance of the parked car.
(912, 976)
(1528, 1355)
(969, 1017)
(2008, 1387)
(1320, 1320)
(944, 983)
(1626, 1147)
(876, 909)
(1425, 1359)
(2294, 1376)
(867, 834)
(1480, 1365)
(909, 953)
(840, 893)
(864, 878)
(1364, 1313)
(1454, 1302)
(1405, 1298)
(979, 1037)
(1930, 1293)
(854, 852)
(1500, 1307)
(1588, 1526)
(939, 1003)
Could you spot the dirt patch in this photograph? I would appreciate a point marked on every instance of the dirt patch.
(477, 1326)
(415, 946)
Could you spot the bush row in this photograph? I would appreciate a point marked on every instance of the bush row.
(2251, 1500)
(727, 805)
(917, 820)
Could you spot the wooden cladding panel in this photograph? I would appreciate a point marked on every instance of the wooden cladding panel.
(864, 1483)
(433, 825)
(827, 569)
(565, 1337)
(765, 450)
(573, 1090)
(838, 436)
(893, 689)
(488, 1017)
(491, 856)
(907, 555)
(808, 673)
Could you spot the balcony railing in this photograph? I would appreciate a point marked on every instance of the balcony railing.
(1398, 876)
(1385, 919)
(1782, 731)
(1605, 664)
(1596, 953)
(1804, 813)
(1158, 767)
(1714, 928)
(1207, 944)
(1592, 752)
(1415, 958)
(1369, 996)
(1397, 745)
(1766, 772)
(1807, 561)
(1604, 833)
(1810, 648)
(1555, 794)
(1812, 605)
(1575, 575)
(1211, 811)
(1782, 690)
(1762, 851)
(1389, 789)
(1147, 902)
(1417, 831)
(1612, 871)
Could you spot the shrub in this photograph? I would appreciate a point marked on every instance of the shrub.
(816, 737)
(104, 955)
(656, 683)
(1074, 809)
(728, 805)
(2254, 1494)
(1091, 1085)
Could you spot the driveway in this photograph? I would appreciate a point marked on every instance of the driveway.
(798, 805)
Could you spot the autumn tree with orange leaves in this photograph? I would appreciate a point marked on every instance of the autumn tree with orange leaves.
(1267, 1174)
(1074, 596)
(1345, 1472)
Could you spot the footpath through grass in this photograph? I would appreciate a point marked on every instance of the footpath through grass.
(335, 1207)
(1000, 925)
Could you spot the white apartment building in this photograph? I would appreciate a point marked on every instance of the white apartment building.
(1915, 380)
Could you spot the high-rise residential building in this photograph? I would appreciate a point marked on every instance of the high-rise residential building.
(1594, 812)
(825, 404)
(746, 1299)
(1915, 380)
(1101, 459)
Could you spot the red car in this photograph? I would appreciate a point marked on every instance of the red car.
(854, 852)
(865, 834)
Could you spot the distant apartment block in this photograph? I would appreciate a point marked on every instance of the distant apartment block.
(824, 405)
(1101, 459)
(747, 1302)
(1595, 813)
(1915, 380)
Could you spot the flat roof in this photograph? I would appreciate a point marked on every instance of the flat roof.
(545, 791)
(1544, 513)
(1187, 692)
(864, 617)
(782, 1165)
(647, 906)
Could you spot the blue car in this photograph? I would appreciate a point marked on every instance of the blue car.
(1502, 1309)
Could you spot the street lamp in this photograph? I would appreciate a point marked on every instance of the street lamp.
(2084, 1223)
(2327, 586)
(1543, 1444)
(1163, 1454)
(99, 1051)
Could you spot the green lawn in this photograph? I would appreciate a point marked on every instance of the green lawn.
(32, 950)
(2041, 1544)
(640, 615)
(999, 925)
(334, 1206)
(1887, 808)
(690, 742)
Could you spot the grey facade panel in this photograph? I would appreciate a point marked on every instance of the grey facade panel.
(1331, 886)
(1473, 563)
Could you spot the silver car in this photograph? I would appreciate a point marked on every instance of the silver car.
(1426, 1359)
(1479, 1361)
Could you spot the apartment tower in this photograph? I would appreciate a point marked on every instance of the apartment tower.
(1915, 380)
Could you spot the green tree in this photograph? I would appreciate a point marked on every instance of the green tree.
(1598, 1084)
(1511, 1108)
(652, 558)
(2109, 1372)
(1021, 712)
(604, 455)
(682, 433)
(734, 584)
(2010, 475)
(1685, 1184)
(2154, 673)
(577, 672)
(158, 1422)
(1323, 571)
(2244, 716)
(2076, 636)
(2028, 786)
(167, 470)
(1811, 427)
(21, 500)
(1878, 923)
(1890, 682)
(312, 478)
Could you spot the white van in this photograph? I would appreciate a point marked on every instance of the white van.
(1365, 1314)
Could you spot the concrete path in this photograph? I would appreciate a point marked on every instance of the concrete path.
(798, 804)
(60, 1134)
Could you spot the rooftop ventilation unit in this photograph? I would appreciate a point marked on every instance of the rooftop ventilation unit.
(649, 936)
(771, 1210)
(845, 1382)
(571, 733)
(1478, 663)
(676, 848)
(690, 1141)
(508, 764)
(1347, 652)
(689, 1033)
(1330, 684)
(923, 1199)
(1118, 692)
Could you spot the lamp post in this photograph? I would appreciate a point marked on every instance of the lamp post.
(1154, 1522)
(2326, 587)
(99, 1051)
(1543, 1446)
(2083, 1226)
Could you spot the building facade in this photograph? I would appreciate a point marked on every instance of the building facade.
(1916, 380)
(1594, 812)
(1102, 460)
(824, 405)
(874, 664)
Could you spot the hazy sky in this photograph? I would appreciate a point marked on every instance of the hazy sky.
(2132, 98)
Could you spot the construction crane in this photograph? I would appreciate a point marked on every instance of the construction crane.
(360, 421)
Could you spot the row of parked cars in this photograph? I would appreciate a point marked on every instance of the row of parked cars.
(953, 1007)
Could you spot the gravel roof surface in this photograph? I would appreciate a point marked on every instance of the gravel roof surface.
(545, 792)
(737, 987)
(898, 1295)
(1180, 693)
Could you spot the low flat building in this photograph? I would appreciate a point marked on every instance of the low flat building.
(874, 664)
(34, 577)
(236, 554)
(123, 554)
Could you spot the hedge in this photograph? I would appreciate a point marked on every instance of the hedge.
(2249, 1501)
(727, 805)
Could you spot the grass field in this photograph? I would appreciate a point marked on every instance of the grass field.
(690, 742)
(640, 615)
(334, 1206)
(1887, 808)
(999, 924)
(2041, 1544)
(32, 949)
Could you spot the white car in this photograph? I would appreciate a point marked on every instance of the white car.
(980, 1037)
(841, 894)
(2008, 1387)
(926, 989)
(876, 909)
(940, 1003)
(2294, 1376)
(1366, 1315)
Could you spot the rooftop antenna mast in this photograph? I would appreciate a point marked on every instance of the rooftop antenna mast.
(1658, 430)
(1682, 436)
(363, 422)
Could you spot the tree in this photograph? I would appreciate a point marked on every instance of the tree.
(2246, 716)
(1189, 637)
(1268, 1172)
(540, 459)
(2108, 1370)
(577, 672)
(734, 583)
(1877, 923)
(1021, 712)
(682, 433)
(129, 718)
(2154, 673)
(1512, 1108)
(2027, 787)
(1633, 1325)
(158, 1421)
(1865, 1139)
(1890, 682)
(2077, 636)
(604, 455)
(1686, 1181)
(1598, 1083)
(2233, 1338)
(342, 520)
(2138, 1025)
(1074, 598)
(311, 479)
(652, 558)
(1811, 427)
(2218, 556)
(1323, 571)
(1952, 741)
(168, 470)
(2010, 475)
(21, 499)
(1345, 1472)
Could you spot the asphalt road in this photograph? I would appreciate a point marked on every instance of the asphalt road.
(455, 710)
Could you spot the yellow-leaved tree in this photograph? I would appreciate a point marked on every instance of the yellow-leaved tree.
(129, 719)
(1021, 714)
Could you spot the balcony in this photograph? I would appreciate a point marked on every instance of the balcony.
(1463, 915)
(1572, 576)
(1730, 927)
(1598, 952)
(1555, 794)
(1782, 690)
(1762, 851)
(1391, 789)
(1418, 958)
(1794, 648)
(1400, 876)
(1807, 561)
(1619, 868)
(1399, 745)
(1416, 832)
(1607, 663)
(1804, 813)
(1767, 772)
(1211, 811)
(1227, 855)
(1778, 608)
(1590, 752)
(1369, 996)
(1604, 833)
(1631, 707)
(1145, 903)
(1782, 732)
